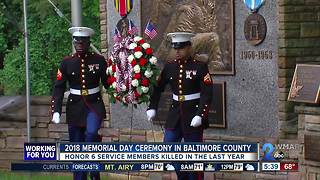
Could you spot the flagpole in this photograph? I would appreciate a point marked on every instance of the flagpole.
(60, 14)
(27, 68)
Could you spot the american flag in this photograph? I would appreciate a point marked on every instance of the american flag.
(116, 36)
(150, 31)
(132, 28)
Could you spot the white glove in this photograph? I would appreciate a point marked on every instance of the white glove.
(56, 118)
(196, 121)
(151, 114)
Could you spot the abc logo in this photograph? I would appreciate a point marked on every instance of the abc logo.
(278, 155)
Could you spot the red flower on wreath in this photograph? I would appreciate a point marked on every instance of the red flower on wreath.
(141, 41)
(137, 76)
(133, 63)
(114, 68)
(111, 79)
(138, 48)
(109, 62)
(145, 82)
(136, 94)
(149, 51)
(143, 61)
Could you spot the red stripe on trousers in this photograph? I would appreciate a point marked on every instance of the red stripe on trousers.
(201, 174)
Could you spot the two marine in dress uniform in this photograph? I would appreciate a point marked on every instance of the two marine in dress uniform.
(189, 80)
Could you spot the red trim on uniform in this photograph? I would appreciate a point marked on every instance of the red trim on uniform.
(201, 140)
(181, 119)
(207, 111)
(59, 75)
(201, 174)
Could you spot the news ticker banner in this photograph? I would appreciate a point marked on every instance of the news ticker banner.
(141, 167)
(141, 152)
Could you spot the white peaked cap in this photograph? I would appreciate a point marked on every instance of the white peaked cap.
(178, 37)
(81, 31)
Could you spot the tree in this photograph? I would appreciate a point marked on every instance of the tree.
(9, 26)
(49, 42)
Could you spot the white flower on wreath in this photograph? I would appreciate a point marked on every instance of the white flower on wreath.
(138, 54)
(135, 83)
(130, 58)
(148, 73)
(114, 85)
(144, 89)
(123, 87)
(132, 46)
(136, 69)
(145, 45)
(109, 70)
(153, 60)
(115, 75)
(137, 38)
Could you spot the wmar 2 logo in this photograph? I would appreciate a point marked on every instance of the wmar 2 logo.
(271, 153)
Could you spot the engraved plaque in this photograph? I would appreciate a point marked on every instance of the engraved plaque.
(305, 84)
(217, 112)
(312, 147)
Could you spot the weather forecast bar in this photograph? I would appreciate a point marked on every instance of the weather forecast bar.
(142, 167)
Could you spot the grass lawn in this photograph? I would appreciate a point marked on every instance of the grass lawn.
(5, 175)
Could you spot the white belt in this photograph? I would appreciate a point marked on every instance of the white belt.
(84, 92)
(186, 97)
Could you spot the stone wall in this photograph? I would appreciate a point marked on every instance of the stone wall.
(13, 133)
(299, 42)
(308, 137)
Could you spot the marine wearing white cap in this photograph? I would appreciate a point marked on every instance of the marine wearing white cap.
(81, 31)
(82, 71)
(180, 39)
(191, 86)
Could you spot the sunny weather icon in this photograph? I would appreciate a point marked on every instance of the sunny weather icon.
(210, 167)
